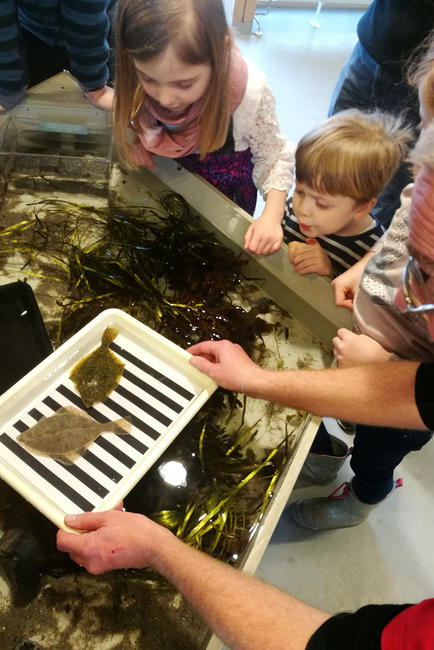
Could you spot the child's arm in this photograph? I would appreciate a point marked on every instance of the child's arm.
(265, 234)
(255, 126)
(352, 349)
(309, 257)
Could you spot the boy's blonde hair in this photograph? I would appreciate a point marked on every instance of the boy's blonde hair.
(352, 154)
(199, 33)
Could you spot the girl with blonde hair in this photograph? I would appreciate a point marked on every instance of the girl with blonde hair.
(186, 92)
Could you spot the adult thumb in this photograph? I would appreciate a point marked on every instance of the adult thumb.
(85, 521)
(200, 363)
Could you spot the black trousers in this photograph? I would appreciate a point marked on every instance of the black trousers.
(376, 453)
(43, 61)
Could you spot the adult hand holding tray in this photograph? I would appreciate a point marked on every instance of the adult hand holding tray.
(159, 392)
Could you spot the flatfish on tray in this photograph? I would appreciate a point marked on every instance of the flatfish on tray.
(66, 434)
(97, 374)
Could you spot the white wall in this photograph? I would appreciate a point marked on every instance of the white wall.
(229, 9)
(344, 4)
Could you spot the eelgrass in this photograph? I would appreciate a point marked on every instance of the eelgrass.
(227, 491)
(161, 266)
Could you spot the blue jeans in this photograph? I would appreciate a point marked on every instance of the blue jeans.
(367, 85)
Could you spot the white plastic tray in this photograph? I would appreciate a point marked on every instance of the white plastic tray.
(159, 389)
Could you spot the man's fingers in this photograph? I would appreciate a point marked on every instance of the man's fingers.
(68, 542)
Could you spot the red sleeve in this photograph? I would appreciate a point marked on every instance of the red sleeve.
(412, 629)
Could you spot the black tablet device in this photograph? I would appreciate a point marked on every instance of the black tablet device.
(24, 340)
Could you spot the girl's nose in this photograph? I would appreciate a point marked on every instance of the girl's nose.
(166, 97)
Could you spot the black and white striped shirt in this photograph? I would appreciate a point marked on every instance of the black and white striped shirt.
(342, 251)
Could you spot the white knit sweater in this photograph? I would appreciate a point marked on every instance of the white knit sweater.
(255, 125)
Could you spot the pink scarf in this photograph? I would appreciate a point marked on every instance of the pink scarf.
(156, 139)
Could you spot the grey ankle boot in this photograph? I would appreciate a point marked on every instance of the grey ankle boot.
(340, 510)
(323, 468)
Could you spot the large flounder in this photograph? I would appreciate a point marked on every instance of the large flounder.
(66, 434)
(97, 374)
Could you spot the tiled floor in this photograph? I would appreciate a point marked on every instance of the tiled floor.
(388, 558)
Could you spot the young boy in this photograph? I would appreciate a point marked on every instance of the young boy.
(393, 314)
(341, 167)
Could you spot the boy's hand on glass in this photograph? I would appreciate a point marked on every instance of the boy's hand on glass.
(351, 349)
(309, 257)
(264, 236)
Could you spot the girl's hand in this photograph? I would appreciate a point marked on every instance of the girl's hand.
(110, 540)
(264, 236)
(225, 362)
(352, 349)
(309, 257)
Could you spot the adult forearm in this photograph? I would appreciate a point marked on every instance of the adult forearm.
(378, 394)
(246, 613)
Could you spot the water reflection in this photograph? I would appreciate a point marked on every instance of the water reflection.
(174, 473)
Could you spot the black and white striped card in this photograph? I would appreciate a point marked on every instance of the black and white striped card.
(159, 391)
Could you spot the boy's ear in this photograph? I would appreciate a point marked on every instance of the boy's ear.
(364, 208)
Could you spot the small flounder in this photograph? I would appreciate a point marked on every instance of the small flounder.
(97, 374)
(66, 434)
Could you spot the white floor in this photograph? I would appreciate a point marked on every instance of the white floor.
(388, 558)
